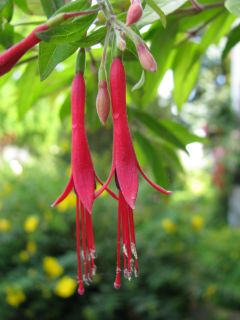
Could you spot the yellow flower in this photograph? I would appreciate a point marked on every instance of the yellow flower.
(52, 267)
(65, 287)
(31, 247)
(31, 224)
(5, 225)
(168, 225)
(23, 256)
(68, 203)
(197, 222)
(15, 297)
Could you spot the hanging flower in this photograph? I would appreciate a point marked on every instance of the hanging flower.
(10, 57)
(82, 180)
(125, 167)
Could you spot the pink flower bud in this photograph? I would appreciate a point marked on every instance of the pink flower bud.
(146, 59)
(121, 43)
(103, 101)
(134, 12)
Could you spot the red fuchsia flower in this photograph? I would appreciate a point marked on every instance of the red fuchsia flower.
(82, 181)
(125, 167)
(10, 57)
(134, 12)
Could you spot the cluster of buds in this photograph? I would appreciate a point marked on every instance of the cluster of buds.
(125, 166)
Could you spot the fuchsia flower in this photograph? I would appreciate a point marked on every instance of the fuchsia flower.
(11, 56)
(134, 12)
(82, 181)
(125, 167)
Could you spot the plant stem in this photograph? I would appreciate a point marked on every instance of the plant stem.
(194, 10)
(30, 23)
(200, 28)
(26, 60)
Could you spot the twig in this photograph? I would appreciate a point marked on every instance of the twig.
(19, 24)
(193, 33)
(26, 60)
(194, 10)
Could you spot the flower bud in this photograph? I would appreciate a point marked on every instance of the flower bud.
(103, 102)
(134, 12)
(145, 57)
(121, 43)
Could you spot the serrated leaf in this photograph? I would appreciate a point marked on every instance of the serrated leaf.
(51, 54)
(140, 83)
(159, 11)
(70, 32)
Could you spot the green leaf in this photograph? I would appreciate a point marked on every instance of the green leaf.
(65, 109)
(51, 6)
(51, 54)
(158, 129)
(161, 48)
(6, 9)
(3, 3)
(70, 32)
(233, 6)
(153, 158)
(77, 5)
(167, 6)
(140, 83)
(27, 89)
(93, 39)
(6, 35)
(182, 132)
(186, 69)
(158, 10)
(233, 39)
(22, 4)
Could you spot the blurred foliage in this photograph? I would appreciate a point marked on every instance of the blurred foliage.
(189, 257)
(188, 267)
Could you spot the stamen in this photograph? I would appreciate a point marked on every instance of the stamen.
(84, 244)
(117, 282)
(78, 250)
